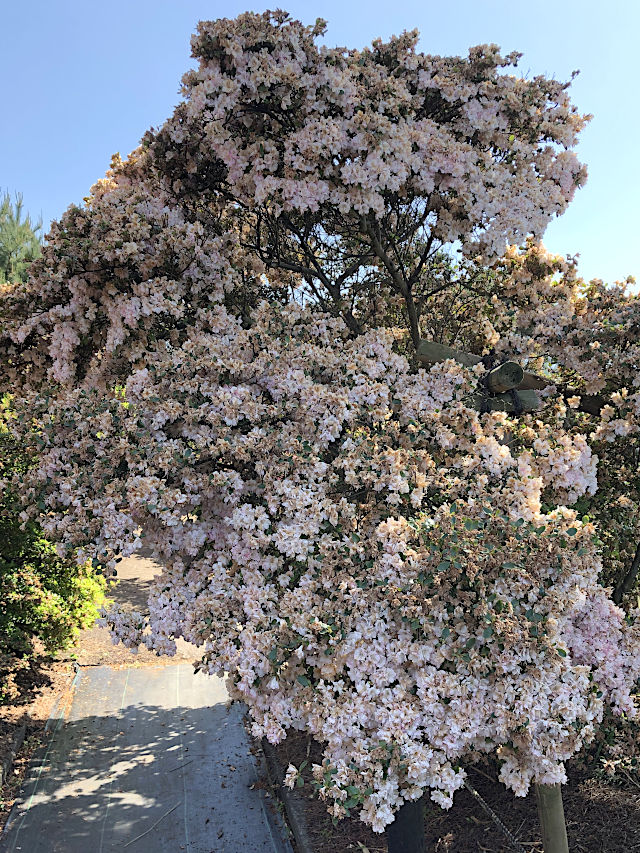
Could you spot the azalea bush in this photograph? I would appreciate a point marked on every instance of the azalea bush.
(216, 355)
(583, 338)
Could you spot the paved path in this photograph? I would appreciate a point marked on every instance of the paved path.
(151, 759)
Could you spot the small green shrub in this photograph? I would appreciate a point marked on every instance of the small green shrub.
(42, 597)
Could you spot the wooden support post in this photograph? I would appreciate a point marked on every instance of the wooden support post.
(551, 815)
(430, 353)
(406, 833)
(505, 377)
(502, 378)
(528, 401)
(589, 403)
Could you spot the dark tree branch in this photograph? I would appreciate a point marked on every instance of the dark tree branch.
(626, 584)
(415, 275)
(398, 279)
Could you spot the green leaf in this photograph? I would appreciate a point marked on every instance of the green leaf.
(302, 679)
(562, 653)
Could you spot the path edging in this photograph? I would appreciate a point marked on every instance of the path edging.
(19, 735)
(291, 800)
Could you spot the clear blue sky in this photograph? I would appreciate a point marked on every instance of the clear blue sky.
(81, 79)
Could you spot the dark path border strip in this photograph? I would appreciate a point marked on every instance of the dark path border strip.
(19, 735)
(291, 800)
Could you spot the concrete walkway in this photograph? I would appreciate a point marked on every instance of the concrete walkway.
(151, 759)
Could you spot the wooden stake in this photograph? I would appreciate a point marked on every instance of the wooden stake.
(505, 377)
(429, 352)
(551, 814)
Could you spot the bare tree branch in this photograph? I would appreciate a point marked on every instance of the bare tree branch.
(626, 584)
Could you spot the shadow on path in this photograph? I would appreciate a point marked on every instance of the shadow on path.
(150, 759)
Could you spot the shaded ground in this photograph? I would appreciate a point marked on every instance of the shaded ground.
(131, 590)
(152, 760)
(600, 818)
(43, 680)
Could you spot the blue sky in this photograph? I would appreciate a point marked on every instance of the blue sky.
(80, 80)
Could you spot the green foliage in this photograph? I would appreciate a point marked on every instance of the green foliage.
(615, 751)
(42, 597)
(20, 243)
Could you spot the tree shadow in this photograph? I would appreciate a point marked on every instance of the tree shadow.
(132, 593)
(144, 777)
(28, 675)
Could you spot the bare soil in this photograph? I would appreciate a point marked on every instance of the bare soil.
(602, 817)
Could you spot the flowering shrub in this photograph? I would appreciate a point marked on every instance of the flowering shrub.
(584, 338)
(203, 358)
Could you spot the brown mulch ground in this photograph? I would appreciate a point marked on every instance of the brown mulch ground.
(601, 817)
(39, 685)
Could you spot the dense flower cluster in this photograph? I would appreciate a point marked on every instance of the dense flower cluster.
(367, 556)
(303, 128)
(586, 339)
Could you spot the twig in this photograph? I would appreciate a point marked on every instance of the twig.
(630, 778)
(494, 817)
(180, 766)
(482, 773)
(626, 584)
(147, 831)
